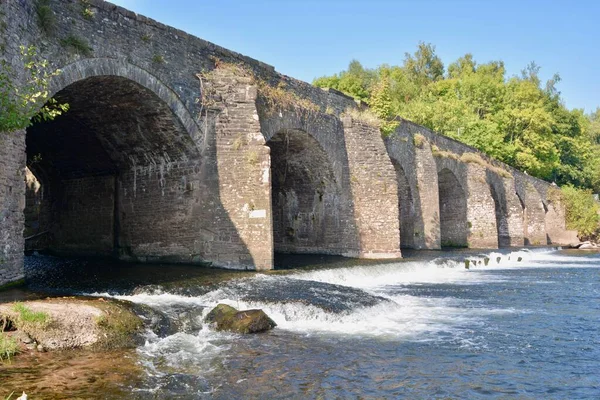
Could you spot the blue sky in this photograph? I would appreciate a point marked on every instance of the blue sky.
(310, 38)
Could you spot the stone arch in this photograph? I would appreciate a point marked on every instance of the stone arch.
(319, 145)
(93, 67)
(406, 208)
(121, 167)
(453, 210)
(503, 210)
(508, 208)
(498, 196)
(306, 195)
(534, 215)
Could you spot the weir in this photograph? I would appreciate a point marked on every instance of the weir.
(154, 162)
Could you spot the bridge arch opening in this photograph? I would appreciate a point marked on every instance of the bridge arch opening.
(406, 208)
(501, 212)
(454, 227)
(534, 217)
(112, 170)
(305, 195)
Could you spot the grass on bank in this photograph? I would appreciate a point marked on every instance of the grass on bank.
(8, 347)
(118, 324)
(27, 316)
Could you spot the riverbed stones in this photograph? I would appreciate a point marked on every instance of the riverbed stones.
(227, 318)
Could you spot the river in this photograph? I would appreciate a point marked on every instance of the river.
(514, 325)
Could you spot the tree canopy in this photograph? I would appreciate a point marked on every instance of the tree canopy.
(519, 120)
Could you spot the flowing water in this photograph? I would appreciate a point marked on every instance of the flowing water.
(514, 325)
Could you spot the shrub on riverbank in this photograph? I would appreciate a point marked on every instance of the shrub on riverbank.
(582, 212)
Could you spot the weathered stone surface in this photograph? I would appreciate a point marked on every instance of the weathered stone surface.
(524, 211)
(142, 167)
(227, 318)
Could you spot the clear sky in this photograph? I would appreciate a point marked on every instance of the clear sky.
(311, 38)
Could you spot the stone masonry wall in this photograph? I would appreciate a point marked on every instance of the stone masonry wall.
(84, 216)
(154, 204)
(244, 169)
(454, 213)
(312, 201)
(509, 213)
(223, 197)
(419, 166)
(483, 232)
(374, 190)
(12, 203)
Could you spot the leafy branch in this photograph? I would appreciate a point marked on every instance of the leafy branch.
(20, 105)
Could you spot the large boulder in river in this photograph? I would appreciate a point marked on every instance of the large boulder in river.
(227, 318)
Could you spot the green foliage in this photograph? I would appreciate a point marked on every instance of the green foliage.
(28, 316)
(19, 105)
(381, 104)
(354, 82)
(77, 45)
(419, 140)
(582, 211)
(45, 16)
(278, 97)
(86, 11)
(158, 59)
(518, 120)
(8, 347)
(424, 66)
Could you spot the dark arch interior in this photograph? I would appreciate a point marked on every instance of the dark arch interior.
(501, 215)
(406, 209)
(305, 195)
(117, 139)
(525, 221)
(453, 210)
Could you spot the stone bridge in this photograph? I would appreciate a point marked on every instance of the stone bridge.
(177, 150)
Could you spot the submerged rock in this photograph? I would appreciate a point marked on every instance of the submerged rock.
(227, 318)
(329, 297)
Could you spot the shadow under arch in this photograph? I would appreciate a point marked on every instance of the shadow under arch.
(94, 67)
(501, 208)
(124, 169)
(534, 215)
(406, 208)
(321, 159)
(454, 227)
(305, 195)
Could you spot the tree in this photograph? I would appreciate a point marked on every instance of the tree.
(424, 66)
(355, 82)
(517, 120)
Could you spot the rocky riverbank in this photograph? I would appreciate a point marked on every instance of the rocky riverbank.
(588, 245)
(68, 323)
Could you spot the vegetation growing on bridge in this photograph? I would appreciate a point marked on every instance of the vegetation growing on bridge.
(517, 120)
(276, 97)
(19, 104)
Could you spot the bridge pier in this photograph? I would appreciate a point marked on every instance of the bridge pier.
(244, 173)
(374, 190)
(428, 236)
(483, 233)
(12, 204)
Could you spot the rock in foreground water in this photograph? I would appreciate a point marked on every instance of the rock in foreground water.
(227, 318)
